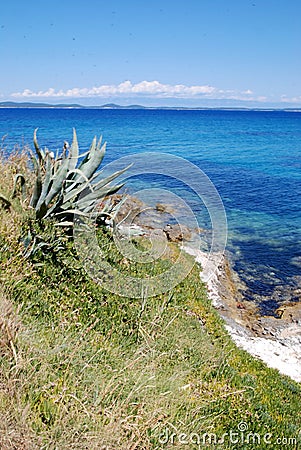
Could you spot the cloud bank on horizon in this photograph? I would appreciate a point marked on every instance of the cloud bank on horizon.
(150, 90)
(141, 89)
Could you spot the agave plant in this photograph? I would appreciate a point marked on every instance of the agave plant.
(69, 183)
(19, 185)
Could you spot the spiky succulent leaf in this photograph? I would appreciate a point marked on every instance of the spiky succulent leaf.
(90, 153)
(38, 184)
(64, 186)
(58, 180)
(6, 202)
(73, 154)
(110, 178)
(19, 180)
(46, 182)
(76, 188)
(95, 159)
(40, 153)
(94, 197)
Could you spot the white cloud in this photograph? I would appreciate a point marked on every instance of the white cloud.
(285, 99)
(153, 89)
(144, 88)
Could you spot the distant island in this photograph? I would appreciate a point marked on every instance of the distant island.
(67, 105)
(9, 104)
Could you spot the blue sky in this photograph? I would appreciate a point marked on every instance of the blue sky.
(159, 52)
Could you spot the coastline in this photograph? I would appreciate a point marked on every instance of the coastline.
(276, 341)
(36, 105)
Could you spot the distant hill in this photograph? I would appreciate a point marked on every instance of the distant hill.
(115, 106)
(64, 105)
(36, 105)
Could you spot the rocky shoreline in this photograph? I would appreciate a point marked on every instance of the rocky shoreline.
(275, 340)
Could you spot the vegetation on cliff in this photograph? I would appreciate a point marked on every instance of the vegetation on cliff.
(84, 368)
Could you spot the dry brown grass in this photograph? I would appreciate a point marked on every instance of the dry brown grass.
(15, 432)
(10, 221)
(9, 326)
(15, 162)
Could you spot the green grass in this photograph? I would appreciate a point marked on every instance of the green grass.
(82, 368)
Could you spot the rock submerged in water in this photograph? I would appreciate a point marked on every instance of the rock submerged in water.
(163, 208)
(135, 212)
(131, 207)
(177, 233)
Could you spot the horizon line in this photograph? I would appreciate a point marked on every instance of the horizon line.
(12, 104)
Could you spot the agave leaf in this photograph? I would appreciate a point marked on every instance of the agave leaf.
(75, 211)
(99, 144)
(109, 190)
(97, 190)
(90, 210)
(67, 188)
(83, 155)
(38, 184)
(35, 247)
(87, 206)
(5, 201)
(57, 181)
(30, 248)
(64, 224)
(107, 208)
(93, 198)
(40, 153)
(71, 191)
(73, 196)
(94, 160)
(117, 207)
(70, 178)
(56, 206)
(20, 177)
(27, 240)
(110, 178)
(68, 164)
(89, 154)
(41, 212)
(73, 154)
(79, 183)
(57, 164)
(46, 181)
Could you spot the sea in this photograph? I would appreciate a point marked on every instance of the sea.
(253, 158)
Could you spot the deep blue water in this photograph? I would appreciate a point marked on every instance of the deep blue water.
(252, 157)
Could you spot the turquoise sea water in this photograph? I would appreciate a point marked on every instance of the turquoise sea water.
(252, 157)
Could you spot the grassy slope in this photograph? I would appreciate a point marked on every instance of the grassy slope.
(85, 369)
